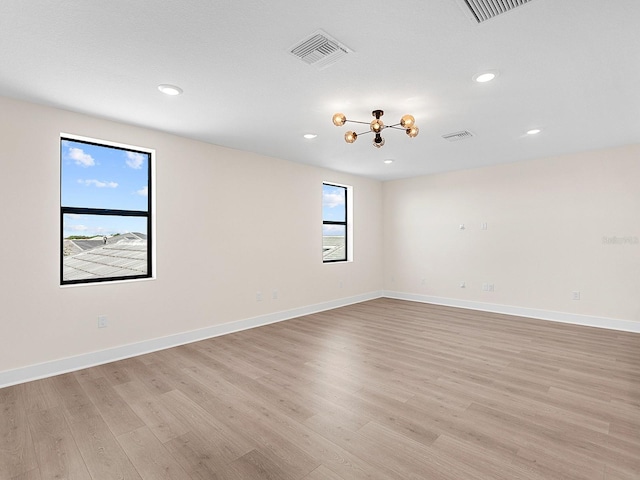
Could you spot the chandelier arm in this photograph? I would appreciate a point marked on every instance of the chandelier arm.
(355, 121)
(368, 131)
(397, 126)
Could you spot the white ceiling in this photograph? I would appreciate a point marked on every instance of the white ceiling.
(569, 67)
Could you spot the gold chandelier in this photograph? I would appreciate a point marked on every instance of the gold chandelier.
(407, 123)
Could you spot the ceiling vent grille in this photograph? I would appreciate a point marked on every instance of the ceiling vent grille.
(483, 10)
(457, 136)
(319, 50)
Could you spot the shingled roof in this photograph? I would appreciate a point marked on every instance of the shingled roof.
(122, 256)
(333, 248)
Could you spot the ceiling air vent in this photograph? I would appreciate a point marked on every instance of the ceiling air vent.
(457, 136)
(483, 10)
(319, 50)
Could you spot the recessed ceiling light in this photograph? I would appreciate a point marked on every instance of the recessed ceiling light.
(388, 160)
(169, 89)
(309, 136)
(533, 131)
(485, 77)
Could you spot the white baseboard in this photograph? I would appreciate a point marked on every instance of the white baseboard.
(562, 317)
(78, 362)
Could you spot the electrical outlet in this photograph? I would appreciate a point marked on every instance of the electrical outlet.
(258, 296)
(483, 225)
(102, 321)
(575, 295)
(423, 281)
(463, 285)
(491, 287)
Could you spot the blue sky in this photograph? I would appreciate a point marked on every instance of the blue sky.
(103, 177)
(333, 202)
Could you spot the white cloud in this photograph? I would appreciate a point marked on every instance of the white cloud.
(329, 229)
(332, 200)
(78, 228)
(135, 160)
(143, 192)
(98, 183)
(81, 158)
(333, 231)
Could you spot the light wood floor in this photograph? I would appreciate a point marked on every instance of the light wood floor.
(384, 389)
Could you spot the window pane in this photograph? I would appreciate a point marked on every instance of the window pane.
(98, 176)
(334, 203)
(333, 242)
(103, 246)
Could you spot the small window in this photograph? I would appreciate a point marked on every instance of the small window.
(334, 223)
(105, 211)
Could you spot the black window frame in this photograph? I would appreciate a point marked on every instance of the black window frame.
(111, 212)
(344, 223)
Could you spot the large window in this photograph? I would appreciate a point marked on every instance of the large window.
(335, 245)
(105, 211)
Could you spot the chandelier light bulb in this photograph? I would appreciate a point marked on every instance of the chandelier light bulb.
(407, 121)
(339, 119)
(350, 136)
(376, 125)
(413, 131)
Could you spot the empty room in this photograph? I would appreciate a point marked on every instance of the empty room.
(320, 240)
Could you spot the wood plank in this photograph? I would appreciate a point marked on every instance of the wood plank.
(117, 414)
(308, 441)
(191, 451)
(40, 395)
(148, 407)
(30, 475)
(17, 454)
(474, 460)
(116, 373)
(405, 460)
(56, 449)
(100, 450)
(323, 473)
(217, 441)
(70, 392)
(149, 378)
(150, 457)
(237, 411)
(611, 473)
(255, 466)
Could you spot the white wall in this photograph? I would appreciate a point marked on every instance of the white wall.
(229, 224)
(546, 220)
